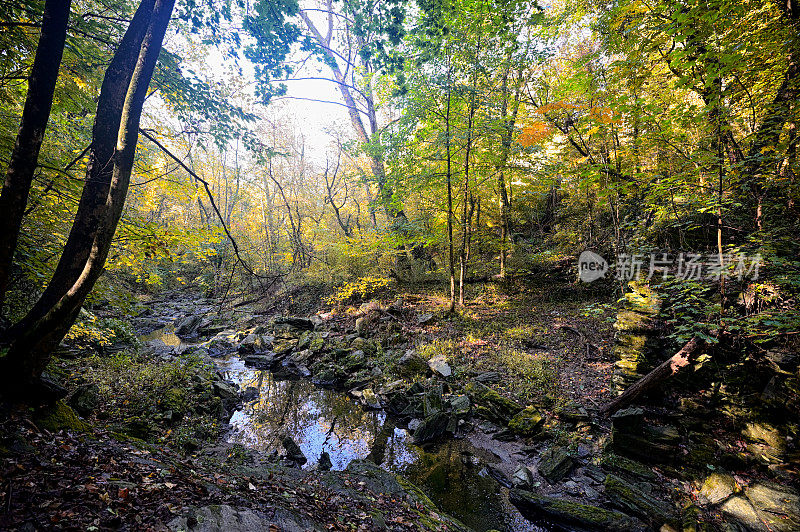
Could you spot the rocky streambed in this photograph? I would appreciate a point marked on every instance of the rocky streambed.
(328, 393)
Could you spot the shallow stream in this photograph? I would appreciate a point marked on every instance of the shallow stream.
(452, 474)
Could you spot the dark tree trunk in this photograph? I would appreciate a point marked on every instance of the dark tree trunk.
(675, 364)
(35, 114)
(92, 206)
(38, 335)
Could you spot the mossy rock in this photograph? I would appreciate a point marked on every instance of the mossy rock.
(716, 488)
(175, 400)
(138, 428)
(284, 346)
(528, 422)
(632, 497)
(363, 344)
(555, 463)
(642, 298)
(492, 405)
(59, 416)
(317, 343)
(631, 321)
(571, 515)
(626, 467)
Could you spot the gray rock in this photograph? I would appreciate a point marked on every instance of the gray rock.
(439, 366)
(188, 326)
(522, 478)
(424, 318)
(460, 405)
(260, 362)
(629, 417)
(488, 377)
(499, 476)
(224, 518)
(432, 428)
(554, 464)
(776, 505)
(227, 391)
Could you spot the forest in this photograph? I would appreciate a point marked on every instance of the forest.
(463, 265)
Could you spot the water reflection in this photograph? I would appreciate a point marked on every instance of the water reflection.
(166, 335)
(324, 420)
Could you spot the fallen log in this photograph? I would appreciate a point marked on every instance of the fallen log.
(676, 363)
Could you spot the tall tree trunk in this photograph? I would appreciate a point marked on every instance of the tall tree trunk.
(451, 257)
(30, 350)
(466, 214)
(92, 207)
(35, 114)
(396, 216)
(508, 122)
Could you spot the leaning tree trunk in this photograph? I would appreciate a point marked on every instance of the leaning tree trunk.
(92, 206)
(31, 348)
(675, 364)
(35, 114)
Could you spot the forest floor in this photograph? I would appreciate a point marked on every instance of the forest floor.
(540, 345)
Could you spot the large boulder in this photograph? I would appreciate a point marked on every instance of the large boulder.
(187, 327)
(776, 505)
(433, 428)
(638, 501)
(260, 362)
(225, 518)
(255, 344)
(563, 514)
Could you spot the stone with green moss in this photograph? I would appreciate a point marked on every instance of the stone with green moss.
(632, 497)
(626, 467)
(642, 298)
(59, 416)
(716, 488)
(317, 343)
(494, 406)
(528, 422)
(571, 515)
(175, 400)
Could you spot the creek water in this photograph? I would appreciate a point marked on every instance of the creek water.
(452, 473)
